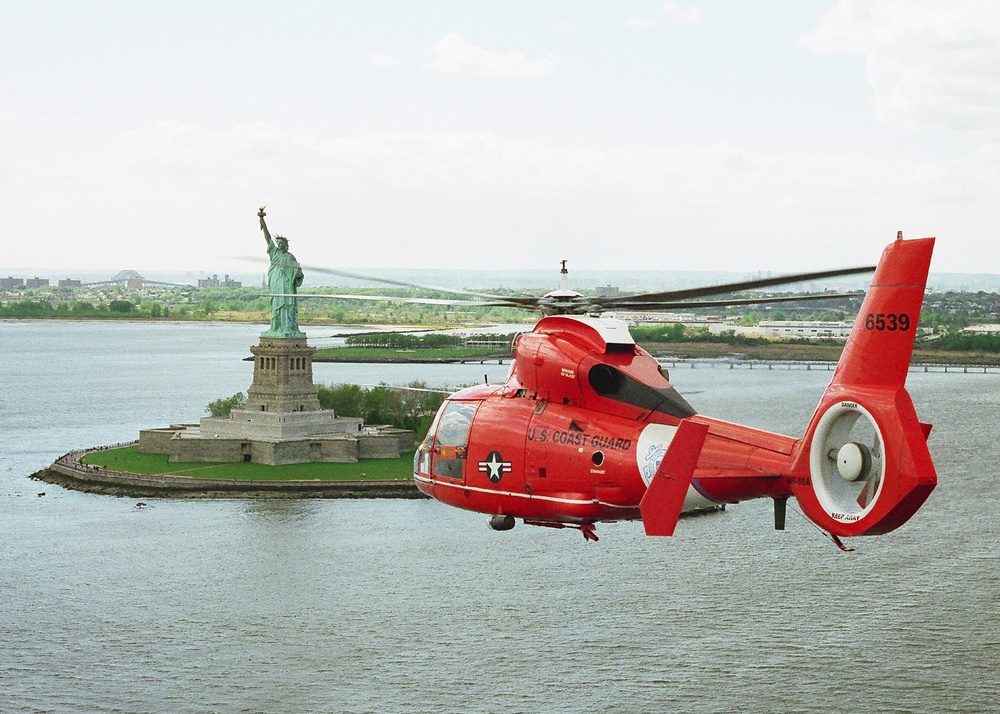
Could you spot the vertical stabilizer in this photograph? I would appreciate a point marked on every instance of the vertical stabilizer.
(863, 466)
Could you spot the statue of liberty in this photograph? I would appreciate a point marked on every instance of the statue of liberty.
(283, 279)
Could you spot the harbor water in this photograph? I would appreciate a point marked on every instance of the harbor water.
(110, 605)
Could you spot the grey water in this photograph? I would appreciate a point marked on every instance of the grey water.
(375, 606)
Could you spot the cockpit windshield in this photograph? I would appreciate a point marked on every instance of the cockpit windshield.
(443, 451)
(455, 423)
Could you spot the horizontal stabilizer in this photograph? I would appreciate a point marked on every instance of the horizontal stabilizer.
(661, 505)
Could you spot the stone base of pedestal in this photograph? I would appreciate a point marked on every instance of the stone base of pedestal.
(281, 423)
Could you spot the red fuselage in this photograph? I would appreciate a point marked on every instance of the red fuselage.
(587, 428)
(577, 431)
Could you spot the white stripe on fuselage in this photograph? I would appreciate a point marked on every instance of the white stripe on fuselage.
(692, 501)
(495, 492)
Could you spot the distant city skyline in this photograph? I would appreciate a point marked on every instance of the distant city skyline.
(654, 134)
(513, 279)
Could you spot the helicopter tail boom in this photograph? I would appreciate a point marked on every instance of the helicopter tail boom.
(863, 467)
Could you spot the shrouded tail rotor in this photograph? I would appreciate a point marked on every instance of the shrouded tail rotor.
(847, 461)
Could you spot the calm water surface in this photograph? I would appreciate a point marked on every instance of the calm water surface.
(375, 606)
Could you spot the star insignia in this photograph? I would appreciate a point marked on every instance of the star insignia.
(494, 466)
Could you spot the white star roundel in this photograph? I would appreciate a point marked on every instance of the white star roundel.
(494, 466)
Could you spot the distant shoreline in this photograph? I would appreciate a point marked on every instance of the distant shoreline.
(776, 351)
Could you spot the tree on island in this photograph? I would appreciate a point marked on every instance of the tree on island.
(222, 407)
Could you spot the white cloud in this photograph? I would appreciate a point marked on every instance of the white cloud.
(683, 14)
(930, 64)
(381, 60)
(456, 56)
(180, 195)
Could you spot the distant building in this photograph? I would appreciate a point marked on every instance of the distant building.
(11, 282)
(724, 328)
(69, 283)
(806, 330)
(36, 282)
(134, 283)
(607, 291)
(988, 329)
(686, 318)
(214, 282)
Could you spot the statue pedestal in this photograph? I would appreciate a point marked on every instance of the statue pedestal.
(282, 377)
(282, 422)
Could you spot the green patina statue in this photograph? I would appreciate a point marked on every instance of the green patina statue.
(283, 279)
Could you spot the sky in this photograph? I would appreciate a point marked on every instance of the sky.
(662, 135)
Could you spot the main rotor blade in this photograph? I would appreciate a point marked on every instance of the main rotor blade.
(390, 298)
(671, 295)
(384, 281)
(668, 305)
(400, 283)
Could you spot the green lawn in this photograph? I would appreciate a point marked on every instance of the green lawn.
(129, 459)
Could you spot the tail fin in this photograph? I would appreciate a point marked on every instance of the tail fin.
(863, 467)
(662, 503)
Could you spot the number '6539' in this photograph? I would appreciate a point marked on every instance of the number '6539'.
(890, 321)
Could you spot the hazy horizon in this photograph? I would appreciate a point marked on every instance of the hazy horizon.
(516, 279)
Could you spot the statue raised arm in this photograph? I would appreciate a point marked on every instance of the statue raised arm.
(263, 225)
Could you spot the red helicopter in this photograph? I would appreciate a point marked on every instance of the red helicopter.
(587, 428)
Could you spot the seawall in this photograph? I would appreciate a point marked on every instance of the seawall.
(67, 471)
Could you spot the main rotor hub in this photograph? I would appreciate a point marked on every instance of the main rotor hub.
(564, 302)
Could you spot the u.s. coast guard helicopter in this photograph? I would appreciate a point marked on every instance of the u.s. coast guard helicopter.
(588, 429)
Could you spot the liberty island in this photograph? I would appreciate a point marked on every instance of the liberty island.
(281, 423)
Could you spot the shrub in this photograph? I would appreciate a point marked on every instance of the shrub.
(222, 407)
